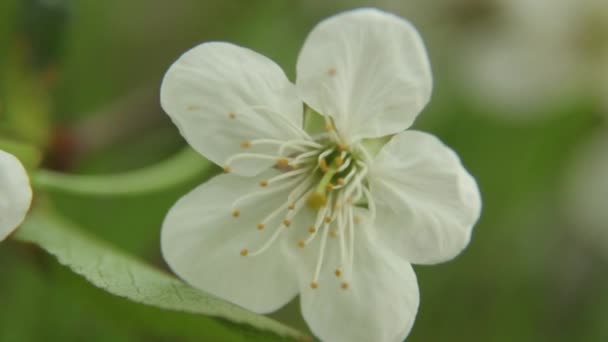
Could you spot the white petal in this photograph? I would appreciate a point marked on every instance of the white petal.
(427, 202)
(220, 95)
(201, 241)
(380, 303)
(368, 70)
(15, 194)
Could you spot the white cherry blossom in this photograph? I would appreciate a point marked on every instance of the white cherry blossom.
(15, 194)
(322, 213)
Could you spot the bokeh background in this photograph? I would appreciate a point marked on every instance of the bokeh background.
(521, 93)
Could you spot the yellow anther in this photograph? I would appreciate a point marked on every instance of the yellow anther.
(261, 226)
(316, 200)
(333, 233)
(232, 115)
(286, 222)
(314, 285)
(329, 127)
(263, 183)
(357, 219)
(236, 213)
(301, 244)
(331, 72)
(227, 169)
(246, 144)
(341, 181)
(338, 272)
(341, 147)
(282, 163)
(329, 187)
(244, 252)
(194, 107)
(338, 161)
(312, 229)
(323, 165)
(292, 206)
(344, 286)
(327, 219)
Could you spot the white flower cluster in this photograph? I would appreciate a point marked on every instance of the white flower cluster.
(15, 194)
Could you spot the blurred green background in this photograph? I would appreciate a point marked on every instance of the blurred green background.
(521, 92)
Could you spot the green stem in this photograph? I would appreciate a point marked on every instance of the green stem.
(184, 166)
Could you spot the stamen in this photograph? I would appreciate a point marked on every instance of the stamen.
(232, 115)
(323, 165)
(370, 204)
(338, 272)
(227, 169)
(263, 183)
(292, 206)
(282, 163)
(321, 254)
(261, 226)
(236, 213)
(268, 191)
(301, 243)
(312, 229)
(246, 144)
(247, 156)
(244, 252)
(344, 286)
(287, 223)
(314, 285)
(287, 175)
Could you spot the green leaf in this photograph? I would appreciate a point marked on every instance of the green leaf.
(180, 168)
(125, 276)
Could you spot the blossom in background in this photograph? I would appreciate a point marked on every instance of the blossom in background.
(536, 56)
(585, 191)
(15, 194)
(335, 215)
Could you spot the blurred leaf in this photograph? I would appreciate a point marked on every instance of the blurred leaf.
(125, 276)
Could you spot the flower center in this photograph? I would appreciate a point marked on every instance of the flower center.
(323, 176)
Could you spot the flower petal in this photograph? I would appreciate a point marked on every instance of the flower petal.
(202, 241)
(15, 194)
(380, 303)
(220, 95)
(368, 70)
(427, 203)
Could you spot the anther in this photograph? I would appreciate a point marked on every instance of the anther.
(312, 229)
(341, 181)
(329, 127)
(227, 169)
(338, 160)
(333, 233)
(282, 163)
(236, 213)
(244, 252)
(331, 71)
(246, 144)
(286, 222)
(329, 187)
(341, 147)
(301, 244)
(232, 115)
(338, 272)
(314, 285)
(327, 219)
(323, 165)
(261, 226)
(263, 183)
(292, 206)
(344, 286)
